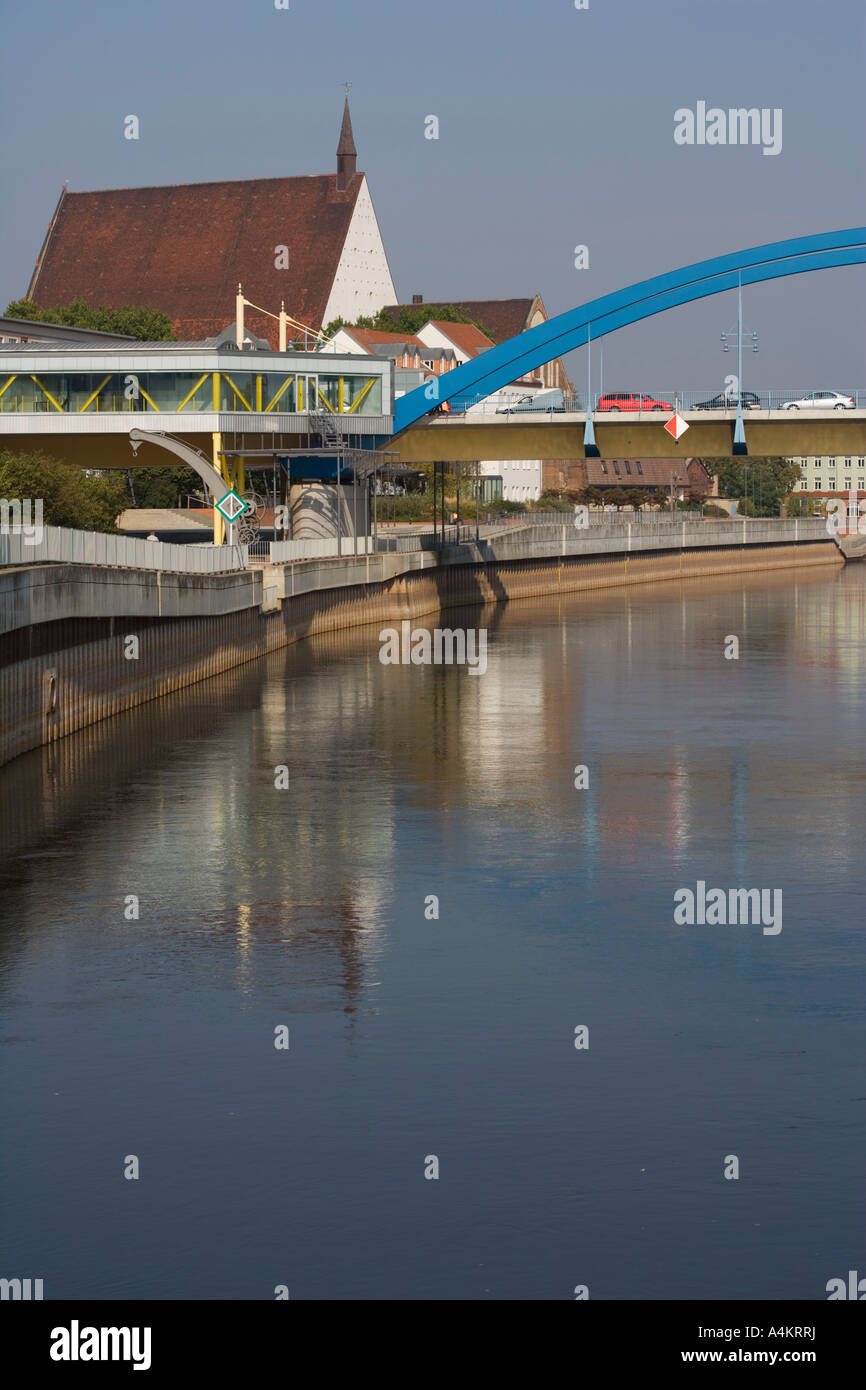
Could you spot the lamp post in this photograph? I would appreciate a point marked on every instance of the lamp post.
(675, 477)
(739, 431)
(590, 448)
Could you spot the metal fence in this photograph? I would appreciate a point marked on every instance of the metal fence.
(281, 552)
(56, 544)
(648, 403)
(674, 530)
(591, 518)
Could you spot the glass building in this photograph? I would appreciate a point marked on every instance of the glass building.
(189, 380)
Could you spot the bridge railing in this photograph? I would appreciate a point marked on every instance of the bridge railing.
(676, 398)
(38, 545)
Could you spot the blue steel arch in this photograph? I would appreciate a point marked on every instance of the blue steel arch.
(526, 351)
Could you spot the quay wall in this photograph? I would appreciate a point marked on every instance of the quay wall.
(67, 659)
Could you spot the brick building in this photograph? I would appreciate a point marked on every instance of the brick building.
(313, 242)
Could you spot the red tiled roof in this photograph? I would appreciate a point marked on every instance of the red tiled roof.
(502, 318)
(655, 472)
(375, 335)
(184, 248)
(465, 336)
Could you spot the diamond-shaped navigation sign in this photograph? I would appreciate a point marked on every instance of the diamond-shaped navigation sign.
(232, 506)
(676, 426)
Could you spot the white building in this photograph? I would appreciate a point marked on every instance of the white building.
(831, 473)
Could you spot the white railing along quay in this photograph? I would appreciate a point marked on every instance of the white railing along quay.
(58, 544)
(324, 548)
(687, 535)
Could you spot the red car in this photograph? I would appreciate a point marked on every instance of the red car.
(630, 400)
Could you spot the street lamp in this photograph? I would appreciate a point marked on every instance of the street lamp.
(739, 431)
(675, 478)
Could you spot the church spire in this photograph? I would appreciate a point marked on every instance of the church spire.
(346, 152)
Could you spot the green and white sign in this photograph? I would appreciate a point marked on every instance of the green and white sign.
(231, 506)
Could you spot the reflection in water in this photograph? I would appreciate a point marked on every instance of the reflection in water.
(411, 1035)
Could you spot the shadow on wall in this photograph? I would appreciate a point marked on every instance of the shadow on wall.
(313, 509)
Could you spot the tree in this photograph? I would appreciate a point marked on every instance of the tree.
(147, 325)
(615, 495)
(160, 487)
(800, 505)
(763, 483)
(591, 497)
(638, 497)
(408, 320)
(552, 501)
(69, 496)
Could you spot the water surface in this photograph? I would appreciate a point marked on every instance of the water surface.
(413, 1037)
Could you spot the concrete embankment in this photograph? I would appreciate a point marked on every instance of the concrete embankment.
(79, 643)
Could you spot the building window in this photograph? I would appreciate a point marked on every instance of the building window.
(603, 466)
(639, 468)
(847, 482)
(616, 467)
(627, 466)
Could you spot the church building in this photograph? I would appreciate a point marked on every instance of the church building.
(312, 242)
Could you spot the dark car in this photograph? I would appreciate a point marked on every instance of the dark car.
(748, 400)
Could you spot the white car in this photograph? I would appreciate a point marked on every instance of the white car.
(821, 400)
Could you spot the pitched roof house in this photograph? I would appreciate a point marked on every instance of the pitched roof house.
(405, 349)
(499, 319)
(184, 248)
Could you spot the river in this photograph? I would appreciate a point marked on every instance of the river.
(413, 1037)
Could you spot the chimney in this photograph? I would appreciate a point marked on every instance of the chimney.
(417, 299)
(346, 152)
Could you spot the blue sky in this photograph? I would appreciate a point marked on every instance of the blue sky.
(556, 129)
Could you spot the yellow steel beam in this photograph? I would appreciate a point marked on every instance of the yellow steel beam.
(8, 383)
(258, 392)
(189, 397)
(91, 399)
(56, 404)
(354, 406)
(288, 381)
(236, 391)
(150, 402)
(324, 399)
(219, 525)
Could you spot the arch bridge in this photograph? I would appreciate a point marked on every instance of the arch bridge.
(419, 437)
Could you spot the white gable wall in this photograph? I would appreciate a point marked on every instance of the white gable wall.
(434, 337)
(362, 284)
(344, 342)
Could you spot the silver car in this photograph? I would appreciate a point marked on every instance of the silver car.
(821, 400)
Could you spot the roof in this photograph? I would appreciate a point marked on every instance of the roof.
(501, 318)
(62, 331)
(347, 140)
(130, 344)
(655, 472)
(183, 248)
(465, 336)
(369, 336)
(375, 341)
